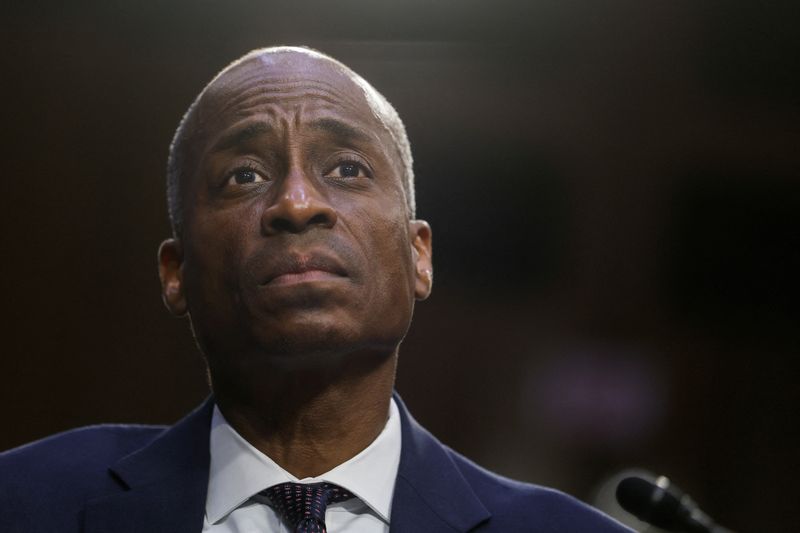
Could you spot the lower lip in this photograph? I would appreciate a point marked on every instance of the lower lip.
(303, 277)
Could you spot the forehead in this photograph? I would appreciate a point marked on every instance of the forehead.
(281, 86)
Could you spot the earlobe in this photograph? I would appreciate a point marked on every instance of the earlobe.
(422, 248)
(170, 271)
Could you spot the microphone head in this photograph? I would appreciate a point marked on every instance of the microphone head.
(652, 502)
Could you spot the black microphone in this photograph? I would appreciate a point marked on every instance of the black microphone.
(664, 506)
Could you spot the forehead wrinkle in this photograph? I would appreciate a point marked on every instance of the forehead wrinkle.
(277, 96)
(280, 89)
(254, 83)
(251, 127)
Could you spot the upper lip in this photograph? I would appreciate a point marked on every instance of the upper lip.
(297, 263)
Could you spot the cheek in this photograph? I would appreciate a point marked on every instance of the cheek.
(389, 262)
(211, 267)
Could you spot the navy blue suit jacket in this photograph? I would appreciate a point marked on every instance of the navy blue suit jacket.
(148, 479)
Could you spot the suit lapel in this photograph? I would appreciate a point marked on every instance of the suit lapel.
(166, 483)
(167, 480)
(430, 494)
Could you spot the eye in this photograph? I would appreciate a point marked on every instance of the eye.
(347, 169)
(243, 176)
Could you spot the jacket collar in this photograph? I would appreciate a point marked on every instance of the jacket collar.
(166, 482)
(430, 494)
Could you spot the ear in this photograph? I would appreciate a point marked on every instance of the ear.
(421, 246)
(170, 270)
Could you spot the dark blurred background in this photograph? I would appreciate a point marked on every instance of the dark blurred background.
(614, 193)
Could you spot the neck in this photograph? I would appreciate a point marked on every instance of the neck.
(310, 421)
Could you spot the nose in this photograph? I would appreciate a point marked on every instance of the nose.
(298, 207)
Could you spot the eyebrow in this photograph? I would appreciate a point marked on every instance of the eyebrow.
(341, 129)
(332, 126)
(242, 135)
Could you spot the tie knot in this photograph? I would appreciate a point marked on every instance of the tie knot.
(303, 505)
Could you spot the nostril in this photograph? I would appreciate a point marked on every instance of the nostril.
(281, 225)
(293, 222)
(320, 219)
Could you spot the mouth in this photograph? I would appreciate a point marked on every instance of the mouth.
(304, 268)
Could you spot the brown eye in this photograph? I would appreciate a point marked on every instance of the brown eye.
(347, 170)
(243, 176)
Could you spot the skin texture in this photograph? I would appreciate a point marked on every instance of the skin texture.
(298, 264)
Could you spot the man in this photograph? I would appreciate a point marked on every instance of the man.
(298, 259)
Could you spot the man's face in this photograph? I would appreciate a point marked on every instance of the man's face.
(296, 242)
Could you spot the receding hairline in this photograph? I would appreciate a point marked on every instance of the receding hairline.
(381, 109)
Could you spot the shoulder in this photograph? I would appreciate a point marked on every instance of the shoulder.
(63, 470)
(453, 487)
(76, 450)
(514, 504)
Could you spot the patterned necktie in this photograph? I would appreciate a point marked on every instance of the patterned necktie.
(303, 505)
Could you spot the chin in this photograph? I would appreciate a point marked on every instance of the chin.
(305, 346)
(321, 347)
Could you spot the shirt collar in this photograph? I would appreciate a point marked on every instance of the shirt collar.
(238, 470)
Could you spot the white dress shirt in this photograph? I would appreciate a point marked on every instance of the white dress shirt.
(238, 472)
